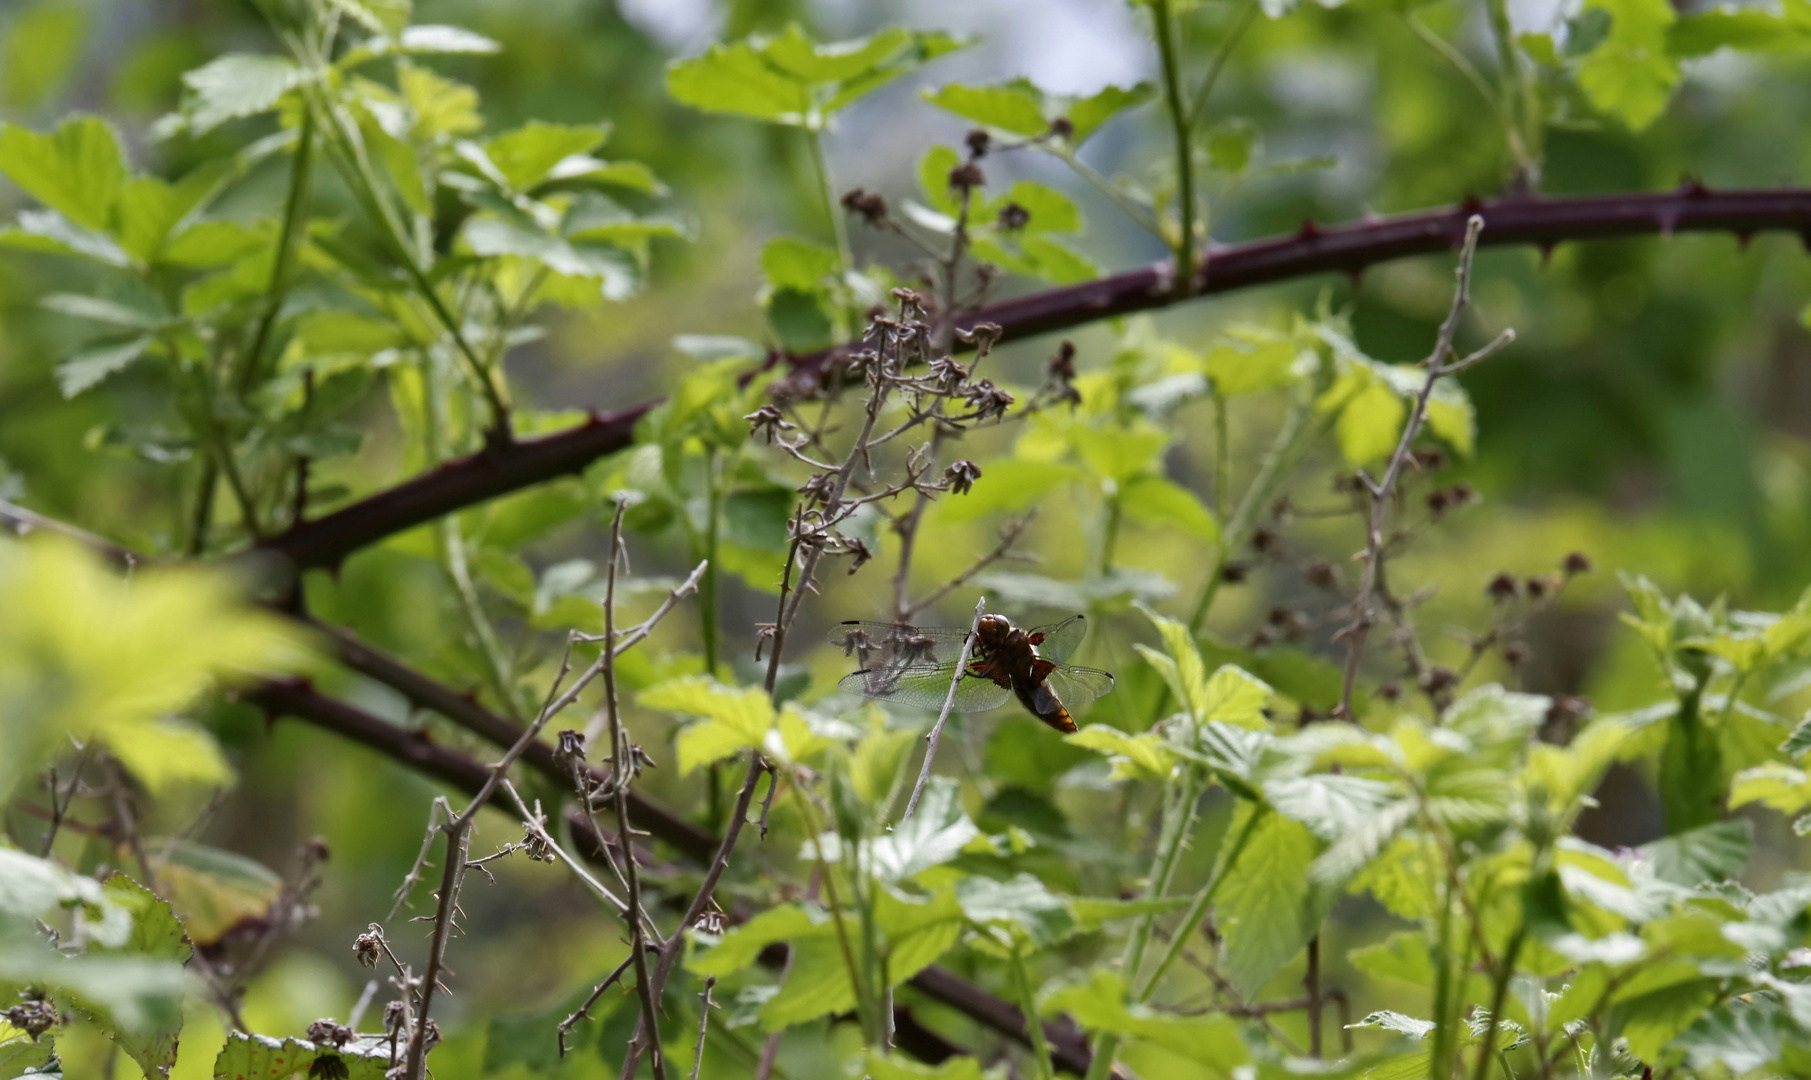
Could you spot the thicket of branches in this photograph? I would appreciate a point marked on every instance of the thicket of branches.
(1331, 834)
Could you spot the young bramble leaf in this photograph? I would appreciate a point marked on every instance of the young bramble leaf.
(792, 263)
(297, 1059)
(528, 154)
(1087, 115)
(1134, 757)
(1016, 107)
(791, 80)
(236, 86)
(1099, 1004)
(77, 171)
(734, 719)
(1156, 501)
(1268, 906)
(1630, 74)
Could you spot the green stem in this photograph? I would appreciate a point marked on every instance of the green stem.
(1132, 209)
(1519, 107)
(838, 227)
(1110, 534)
(1499, 992)
(1443, 987)
(1028, 1004)
(459, 569)
(707, 588)
(808, 810)
(1198, 909)
(204, 507)
(363, 182)
(1222, 458)
(1199, 108)
(1185, 164)
(1291, 439)
(294, 210)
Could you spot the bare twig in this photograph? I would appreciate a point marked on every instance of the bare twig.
(623, 770)
(584, 1010)
(1008, 537)
(704, 1023)
(949, 703)
(1364, 613)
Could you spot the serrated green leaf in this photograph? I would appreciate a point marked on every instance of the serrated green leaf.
(1016, 106)
(156, 936)
(1087, 115)
(1329, 804)
(735, 719)
(95, 362)
(1651, 1020)
(1630, 74)
(49, 231)
(528, 154)
(1773, 784)
(234, 86)
(1267, 907)
(1237, 371)
(1099, 1004)
(76, 172)
(934, 178)
(1119, 454)
(1006, 485)
(246, 1056)
(1154, 500)
(1711, 853)
(1134, 757)
(791, 263)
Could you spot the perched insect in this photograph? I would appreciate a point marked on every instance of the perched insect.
(914, 665)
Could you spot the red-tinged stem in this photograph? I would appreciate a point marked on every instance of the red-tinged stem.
(325, 541)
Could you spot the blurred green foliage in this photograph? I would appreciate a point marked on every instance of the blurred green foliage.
(262, 261)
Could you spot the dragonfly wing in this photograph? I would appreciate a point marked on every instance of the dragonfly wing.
(879, 644)
(927, 686)
(1061, 639)
(1077, 686)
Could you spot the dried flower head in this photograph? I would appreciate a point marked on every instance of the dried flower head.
(1321, 574)
(967, 176)
(869, 204)
(1515, 653)
(820, 488)
(1233, 573)
(1062, 363)
(1576, 563)
(1062, 128)
(858, 548)
(569, 748)
(987, 400)
(767, 421)
(978, 142)
(34, 1016)
(368, 947)
(961, 475)
(948, 373)
(329, 1030)
(1014, 217)
(982, 336)
(536, 844)
(315, 851)
(1503, 586)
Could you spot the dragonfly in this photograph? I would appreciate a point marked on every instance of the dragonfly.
(915, 665)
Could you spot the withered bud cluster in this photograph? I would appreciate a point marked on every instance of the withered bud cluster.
(1576, 563)
(329, 1030)
(34, 1016)
(569, 749)
(978, 142)
(1450, 498)
(537, 846)
(987, 400)
(368, 947)
(961, 476)
(858, 551)
(982, 336)
(1014, 217)
(1062, 128)
(948, 374)
(871, 205)
(966, 177)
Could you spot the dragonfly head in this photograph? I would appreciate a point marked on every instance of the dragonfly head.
(992, 628)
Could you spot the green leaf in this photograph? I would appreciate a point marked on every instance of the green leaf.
(1799, 742)
(296, 1059)
(1230, 145)
(931, 837)
(741, 947)
(735, 719)
(76, 172)
(1118, 454)
(95, 362)
(1049, 209)
(49, 231)
(430, 39)
(900, 1067)
(1712, 853)
(215, 891)
(1238, 371)
(934, 179)
(1630, 74)
(1740, 1036)
(1773, 784)
(234, 86)
(100, 310)
(1451, 417)
(1016, 106)
(1006, 485)
(800, 319)
(1329, 804)
(1370, 423)
(1234, 696)
(1099, 1004)
(1267, 907)
(1134, 757)
(156, 936)
(792, 80)
(1748, 29)
(1156, 501)
(792, 263)
(23, 1057)
(377, 16)
(1651, 1020)
(527, 155)
(1086, 115)
(1399, 1023)
(737, 79)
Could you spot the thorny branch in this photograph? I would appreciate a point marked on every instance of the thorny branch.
(500, 469)
(1364, 601)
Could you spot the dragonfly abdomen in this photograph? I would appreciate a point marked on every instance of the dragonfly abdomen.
(1042, 702)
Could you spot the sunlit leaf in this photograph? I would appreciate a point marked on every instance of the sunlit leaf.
(77, 171)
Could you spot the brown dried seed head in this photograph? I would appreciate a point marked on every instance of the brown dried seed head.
(967, 176)
(1503, 586)
(978, 142)
(1577, 563)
